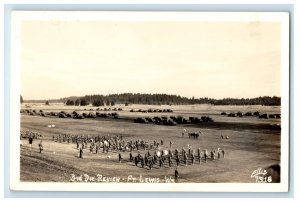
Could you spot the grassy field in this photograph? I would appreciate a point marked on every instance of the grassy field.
(251, 145)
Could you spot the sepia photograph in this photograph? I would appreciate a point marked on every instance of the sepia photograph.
(149, 101)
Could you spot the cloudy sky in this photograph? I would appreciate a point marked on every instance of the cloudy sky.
(201, 59)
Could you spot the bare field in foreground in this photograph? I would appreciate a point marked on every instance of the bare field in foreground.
(251, 145)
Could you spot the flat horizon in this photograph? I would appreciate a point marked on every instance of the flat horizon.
(149, 93)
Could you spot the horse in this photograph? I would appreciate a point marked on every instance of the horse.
(194, 135)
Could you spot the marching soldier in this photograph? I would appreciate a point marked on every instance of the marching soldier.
(162, 157)
(212, 155)
(170, 161)
(155, 157)
(131, 147)
(150, 163)
(176, 151)
(185, 159)
(170, 153)
(97, 147)
(176, 174)
(120, 157)
(177, 160)
(80, 153)
(130, 157)
(223, 153)
(199, 155)
(192, 158)
(139, 156)
(171, 143)
(41, 147)
(30, 140)
(142, 162)
(146, 159)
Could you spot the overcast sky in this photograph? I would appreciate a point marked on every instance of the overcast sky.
(217, 60)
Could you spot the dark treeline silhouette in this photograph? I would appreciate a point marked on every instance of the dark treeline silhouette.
(164, 99)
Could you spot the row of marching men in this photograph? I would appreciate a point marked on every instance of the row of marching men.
(107, 143)
(167, 157)
(84, 138)
(120, 146)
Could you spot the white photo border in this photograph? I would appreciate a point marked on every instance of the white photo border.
(19, 16)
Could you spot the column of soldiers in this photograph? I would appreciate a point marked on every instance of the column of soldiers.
(182, 157)
(107, 143)
(117, 143)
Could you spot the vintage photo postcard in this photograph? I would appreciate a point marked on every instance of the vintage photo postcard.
(149, 101)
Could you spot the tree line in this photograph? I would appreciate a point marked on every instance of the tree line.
(164, 99)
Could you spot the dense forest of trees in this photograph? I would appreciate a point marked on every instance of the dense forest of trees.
(164, 99)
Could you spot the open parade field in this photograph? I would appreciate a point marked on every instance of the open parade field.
(251, 144)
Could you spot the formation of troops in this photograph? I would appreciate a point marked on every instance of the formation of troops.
(142, 153)
(168, 158)
(105, 143)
